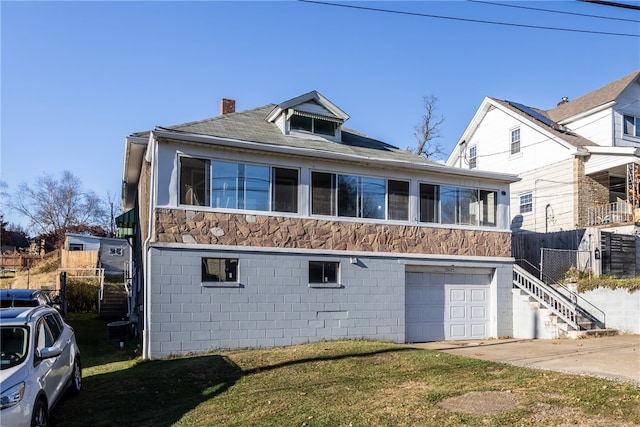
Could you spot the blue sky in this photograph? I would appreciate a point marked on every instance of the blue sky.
(77, 77)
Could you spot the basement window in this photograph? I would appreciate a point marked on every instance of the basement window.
(220, 272)
(324, 274)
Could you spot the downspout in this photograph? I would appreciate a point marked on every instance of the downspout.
(146, 338)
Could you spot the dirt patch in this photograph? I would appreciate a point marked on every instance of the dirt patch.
(481, 402)
(496, 402)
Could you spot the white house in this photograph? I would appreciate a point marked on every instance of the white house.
(278, 225)
(112, 253)
(578, 162)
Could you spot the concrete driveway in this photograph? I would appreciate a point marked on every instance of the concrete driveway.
(614, 357)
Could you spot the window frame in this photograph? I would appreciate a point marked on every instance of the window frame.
(529, 203)
(460, 206)
(241, 187)
(328, 196)
(313, 125)
(515, 143)
(210, 282)
(473, 157)
(334, 265)
(631, 120)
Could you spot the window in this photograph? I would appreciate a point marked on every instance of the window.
(231, 185)
(323, 196)
(194, 181)
(43, 336)
(218, 270)
(456, 205)
(285, 190)
(398, 192)
(515, 141)
(312, 125)
(323, 273)
(358, 197)
(526, 203)
(55, 326)
(361, 197)
(473, 157)
(76, 247)
(116, 251)
(429, 203)
(240, 186)
(631, 125)
(488, 207)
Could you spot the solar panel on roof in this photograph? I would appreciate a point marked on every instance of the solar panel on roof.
(533, 114)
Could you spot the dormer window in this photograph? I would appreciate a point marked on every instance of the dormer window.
(309, 116)
(312, 124)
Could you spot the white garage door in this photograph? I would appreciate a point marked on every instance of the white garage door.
(446, 306)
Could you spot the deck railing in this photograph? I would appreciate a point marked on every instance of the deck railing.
(611, 213)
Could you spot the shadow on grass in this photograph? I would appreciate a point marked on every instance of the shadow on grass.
(160, 393)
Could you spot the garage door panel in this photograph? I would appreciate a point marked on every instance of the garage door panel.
(457, 294)
(457, 313)
(443, 306)
(479, 312)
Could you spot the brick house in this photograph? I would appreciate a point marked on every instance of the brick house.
(278, 225)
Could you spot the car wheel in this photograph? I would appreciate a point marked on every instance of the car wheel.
(39, 417)
(76, 377)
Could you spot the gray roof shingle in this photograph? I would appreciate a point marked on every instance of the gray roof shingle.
(250, 125)
(593, 99)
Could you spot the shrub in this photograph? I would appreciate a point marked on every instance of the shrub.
(81, 296)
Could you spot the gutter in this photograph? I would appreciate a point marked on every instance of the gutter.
(146, 337)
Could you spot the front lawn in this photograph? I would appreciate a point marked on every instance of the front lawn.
(342, 383)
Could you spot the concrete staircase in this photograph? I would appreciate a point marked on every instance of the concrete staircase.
(559, 313)
(114, 302)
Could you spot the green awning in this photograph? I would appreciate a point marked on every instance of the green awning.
(126, 223)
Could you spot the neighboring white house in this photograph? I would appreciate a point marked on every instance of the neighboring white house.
(113, 253)
(579, 162)
(277, 226)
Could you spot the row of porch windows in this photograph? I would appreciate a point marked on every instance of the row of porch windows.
(243, 186)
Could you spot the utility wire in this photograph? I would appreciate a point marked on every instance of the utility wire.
(425, 15)
(553, 11)
(612, 3)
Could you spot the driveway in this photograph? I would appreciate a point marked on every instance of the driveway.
(614, 357)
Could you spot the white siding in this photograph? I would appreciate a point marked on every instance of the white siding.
(627, 103)
(597, 127)
(552, 186)
(494, 145)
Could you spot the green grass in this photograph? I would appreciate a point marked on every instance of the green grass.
(342, 383)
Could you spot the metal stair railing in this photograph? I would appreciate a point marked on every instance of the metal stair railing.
(579, 301)
(546, 295)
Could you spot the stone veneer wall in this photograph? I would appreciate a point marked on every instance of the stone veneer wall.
(591, 192)
(196, 227)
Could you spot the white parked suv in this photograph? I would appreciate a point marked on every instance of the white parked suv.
(39, 361)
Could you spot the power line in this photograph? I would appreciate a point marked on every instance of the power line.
(612, 3)
(553, 11)
(426, 15)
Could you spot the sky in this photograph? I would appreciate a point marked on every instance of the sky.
(77, 77)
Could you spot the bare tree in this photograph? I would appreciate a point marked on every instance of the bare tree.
(55, 206)
(428, 131)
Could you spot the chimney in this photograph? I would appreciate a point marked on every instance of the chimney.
(564, 100)
(227, 106)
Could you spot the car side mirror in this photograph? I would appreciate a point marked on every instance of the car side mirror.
(48, 352)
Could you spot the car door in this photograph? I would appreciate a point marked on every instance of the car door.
(62, 363)
(51, 370)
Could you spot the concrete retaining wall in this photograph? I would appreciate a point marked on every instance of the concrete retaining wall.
(621, 307)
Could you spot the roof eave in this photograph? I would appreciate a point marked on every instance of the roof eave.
(323, 154)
